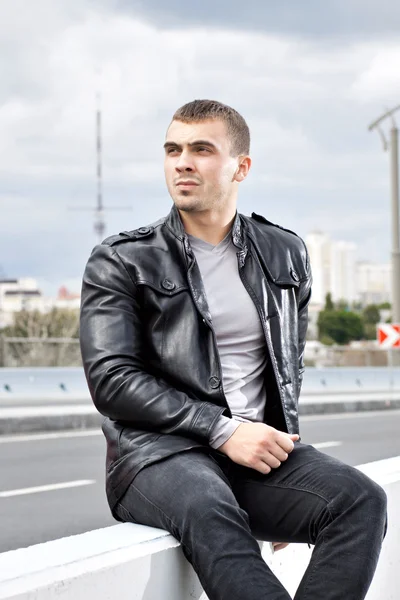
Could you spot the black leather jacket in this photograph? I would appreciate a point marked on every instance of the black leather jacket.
(148, 345)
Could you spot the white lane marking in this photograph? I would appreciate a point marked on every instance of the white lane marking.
(46, 411)
(354, 415)
(8, 439)
(46, 488)
(320, 445)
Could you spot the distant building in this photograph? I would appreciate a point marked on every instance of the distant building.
(24, 294)
(333, 265)
(373, 282)
(313, 313)
(343, 272)
(66, 299)
(319, 248)
(17, 295)
(335, 270)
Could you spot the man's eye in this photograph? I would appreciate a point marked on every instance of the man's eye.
(172, 150)
(203, 149)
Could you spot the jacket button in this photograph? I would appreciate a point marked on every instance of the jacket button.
(168, 285)
(214, 382)
(294, 275)
(144, 230)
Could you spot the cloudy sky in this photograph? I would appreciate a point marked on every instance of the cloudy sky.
(309, 77)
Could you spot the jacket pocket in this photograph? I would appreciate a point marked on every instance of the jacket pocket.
(288, 279)
(165, 286)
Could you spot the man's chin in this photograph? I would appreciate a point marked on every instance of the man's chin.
(186, 208)
(187, 204)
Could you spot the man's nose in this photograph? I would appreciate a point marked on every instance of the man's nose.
(184, 163)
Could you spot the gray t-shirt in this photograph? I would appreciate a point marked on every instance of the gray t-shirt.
(239, 335)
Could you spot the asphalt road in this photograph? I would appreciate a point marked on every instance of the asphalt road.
(52, 486)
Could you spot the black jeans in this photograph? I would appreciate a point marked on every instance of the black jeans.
(218, 509)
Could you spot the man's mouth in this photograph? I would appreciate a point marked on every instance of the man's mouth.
(186, 183)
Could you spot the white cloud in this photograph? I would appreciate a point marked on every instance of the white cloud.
(308, 104)
(380, 78)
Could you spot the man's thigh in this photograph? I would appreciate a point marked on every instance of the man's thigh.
(166, 492)
(293, 502)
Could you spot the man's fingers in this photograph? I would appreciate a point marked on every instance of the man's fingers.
(267, 459)
(279, 453)
(286, 443)
(271, 460)
(262, 467)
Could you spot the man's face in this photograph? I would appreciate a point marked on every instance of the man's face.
(199, 169)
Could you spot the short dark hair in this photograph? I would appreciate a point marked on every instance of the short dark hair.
(201, 110)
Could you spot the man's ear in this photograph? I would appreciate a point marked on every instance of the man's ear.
(243, 168)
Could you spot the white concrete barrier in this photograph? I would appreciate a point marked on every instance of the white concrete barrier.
(123, 561)
(141, 563)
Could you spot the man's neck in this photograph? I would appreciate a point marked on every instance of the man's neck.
(209, 228)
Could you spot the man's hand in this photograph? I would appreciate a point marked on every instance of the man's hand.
(259, 446)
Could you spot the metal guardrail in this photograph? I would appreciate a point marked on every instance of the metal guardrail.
(350, 379)
(43, 383)
(70, 383)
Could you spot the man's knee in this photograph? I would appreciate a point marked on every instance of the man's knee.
(372, 493)
(374, 509)
(377, 504)
(364, 494)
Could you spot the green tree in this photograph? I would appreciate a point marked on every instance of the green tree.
(342, 305)
(385, 306)
(43, 351)
(356, 307)
(328, 302)
(370, 317)
(371, 314)
(57, 323)
(341, 326)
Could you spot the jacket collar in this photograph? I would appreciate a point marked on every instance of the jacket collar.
(174, 223)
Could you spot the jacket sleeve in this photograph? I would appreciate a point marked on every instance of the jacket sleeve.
(112, 353)
(304, 300)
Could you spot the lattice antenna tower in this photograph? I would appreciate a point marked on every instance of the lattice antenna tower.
(99, 217)
(99, 222)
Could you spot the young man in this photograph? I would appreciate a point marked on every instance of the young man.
(192, 336)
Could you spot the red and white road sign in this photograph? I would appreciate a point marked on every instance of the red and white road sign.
(389, 335)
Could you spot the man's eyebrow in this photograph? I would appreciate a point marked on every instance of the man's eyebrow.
(191, 144)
